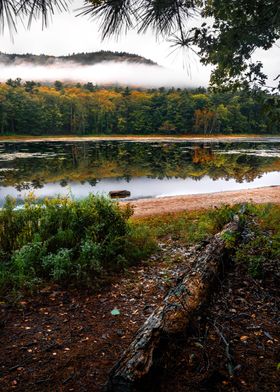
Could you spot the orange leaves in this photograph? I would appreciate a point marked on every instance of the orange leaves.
(204, 119)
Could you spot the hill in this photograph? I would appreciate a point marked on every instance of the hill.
(79, 58)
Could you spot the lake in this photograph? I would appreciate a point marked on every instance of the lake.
(146, 169)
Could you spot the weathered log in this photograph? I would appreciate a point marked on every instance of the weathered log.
(119, 194)
(173, 316)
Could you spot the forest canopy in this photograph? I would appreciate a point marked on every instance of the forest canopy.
(31, 108)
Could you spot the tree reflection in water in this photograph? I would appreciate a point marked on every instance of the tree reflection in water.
(32, 165)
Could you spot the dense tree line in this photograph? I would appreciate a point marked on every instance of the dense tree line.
(87, 58)
(31, 108)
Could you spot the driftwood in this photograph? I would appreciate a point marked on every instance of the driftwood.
(119, 194)
(173, 316)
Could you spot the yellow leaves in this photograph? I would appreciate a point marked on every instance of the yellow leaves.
(174, 96)
(106, 99)
(200, 97)
(3, 91)
(104, 95)
(49, 90)
(204, 119)
(140, 95)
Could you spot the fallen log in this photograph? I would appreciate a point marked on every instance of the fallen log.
(119, 194)
(175, 313)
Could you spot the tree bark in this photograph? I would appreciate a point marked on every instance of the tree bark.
(175, 313)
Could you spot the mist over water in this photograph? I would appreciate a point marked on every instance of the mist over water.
(105, 73)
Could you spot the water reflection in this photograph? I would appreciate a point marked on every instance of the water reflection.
(144, 169)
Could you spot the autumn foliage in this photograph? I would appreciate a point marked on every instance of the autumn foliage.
(31, 108)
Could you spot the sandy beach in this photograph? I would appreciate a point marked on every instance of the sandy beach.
(174, 204)
(137, 138)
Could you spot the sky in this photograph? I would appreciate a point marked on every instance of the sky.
(67, 34)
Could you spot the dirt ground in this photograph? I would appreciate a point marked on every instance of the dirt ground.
(64, 340)
(165, 205)
(232, 346)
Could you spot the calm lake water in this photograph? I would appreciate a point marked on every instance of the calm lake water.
(153, 169)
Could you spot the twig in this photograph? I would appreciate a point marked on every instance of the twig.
(227, 350)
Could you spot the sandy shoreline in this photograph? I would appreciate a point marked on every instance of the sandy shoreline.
(174, 204)
(151, 138)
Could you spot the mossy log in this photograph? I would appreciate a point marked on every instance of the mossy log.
(175, 313)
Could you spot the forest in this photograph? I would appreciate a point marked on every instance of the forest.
(87, 58)
(35, 109)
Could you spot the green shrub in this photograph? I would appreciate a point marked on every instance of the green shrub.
(260, 253)
(59, 265)
(230, 239)
(140, 243)
(89, 264)
(5, 279)
(66, 241)
(25, 263)
(80, 242)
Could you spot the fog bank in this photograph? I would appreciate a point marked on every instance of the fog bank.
(105, 73)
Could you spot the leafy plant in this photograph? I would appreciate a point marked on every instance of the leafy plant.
(260, 249)
(230, 239)
(59, 265)
(260, 253)
(67, 241)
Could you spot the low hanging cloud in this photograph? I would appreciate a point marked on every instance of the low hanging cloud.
(105, 73)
